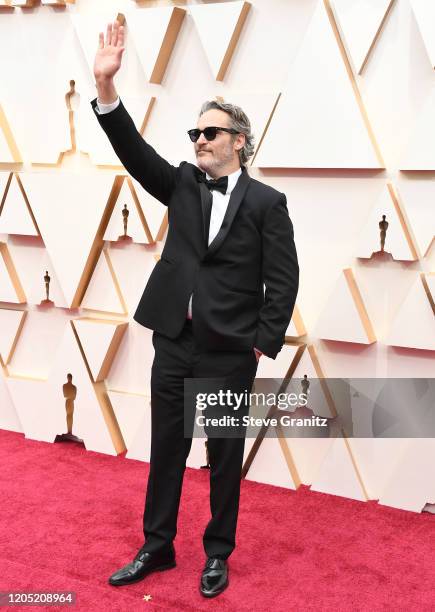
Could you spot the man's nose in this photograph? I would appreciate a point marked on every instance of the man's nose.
(202, 139)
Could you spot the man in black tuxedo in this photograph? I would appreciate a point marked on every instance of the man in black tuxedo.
(229, 235)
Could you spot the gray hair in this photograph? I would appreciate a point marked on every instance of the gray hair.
(238, 121)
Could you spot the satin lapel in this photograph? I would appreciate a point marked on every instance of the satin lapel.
(206, 205)
(233, 206)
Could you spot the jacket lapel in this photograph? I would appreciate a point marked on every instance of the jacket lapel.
(236, 198)
(206, 206)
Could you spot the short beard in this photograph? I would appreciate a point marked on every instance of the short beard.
(215, 165)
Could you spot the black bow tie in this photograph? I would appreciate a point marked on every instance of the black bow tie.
(220, 184)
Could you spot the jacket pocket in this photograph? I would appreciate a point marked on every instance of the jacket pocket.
(167, 260)
(252, 292)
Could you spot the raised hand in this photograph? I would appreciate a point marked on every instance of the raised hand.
(109, 53)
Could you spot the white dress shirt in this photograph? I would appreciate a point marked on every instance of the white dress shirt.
(102, 109)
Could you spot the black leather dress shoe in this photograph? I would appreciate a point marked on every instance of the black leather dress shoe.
(143, 564)
(214, 577)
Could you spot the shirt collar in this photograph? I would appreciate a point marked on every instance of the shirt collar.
(232, 180)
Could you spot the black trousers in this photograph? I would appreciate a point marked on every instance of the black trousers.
(175, 360)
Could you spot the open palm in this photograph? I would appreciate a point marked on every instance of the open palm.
(109, 54)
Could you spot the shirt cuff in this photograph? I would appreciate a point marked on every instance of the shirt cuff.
(103, 109)
(258, 351)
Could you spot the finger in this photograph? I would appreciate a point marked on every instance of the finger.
(121, 36)
(115, 33)
(108, 34)
(101, 40)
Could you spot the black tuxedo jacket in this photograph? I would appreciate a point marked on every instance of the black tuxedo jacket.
(254, 246)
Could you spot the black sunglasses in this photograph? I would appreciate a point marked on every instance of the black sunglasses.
(209, 132)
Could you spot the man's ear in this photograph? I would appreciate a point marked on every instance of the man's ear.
(240, 141)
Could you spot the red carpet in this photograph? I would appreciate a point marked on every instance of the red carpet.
(69, 518)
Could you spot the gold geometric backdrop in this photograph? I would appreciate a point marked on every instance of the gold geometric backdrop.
(341, 98)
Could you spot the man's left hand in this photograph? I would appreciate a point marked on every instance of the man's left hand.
(258, 353)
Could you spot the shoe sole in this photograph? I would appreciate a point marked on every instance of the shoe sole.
(209, 595)
(159, 568)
